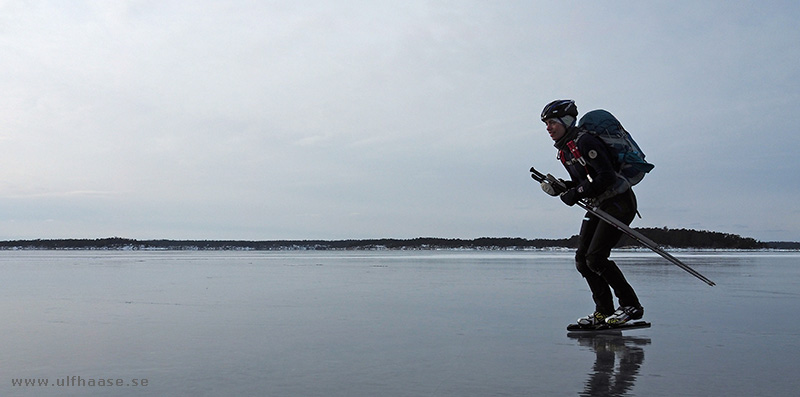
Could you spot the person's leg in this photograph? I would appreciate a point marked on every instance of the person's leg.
(604, 238)
(601, 292)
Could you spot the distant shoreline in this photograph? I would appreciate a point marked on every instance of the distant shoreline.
(680, 239)
(380, 249)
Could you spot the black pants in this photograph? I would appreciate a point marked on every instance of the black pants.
(596, 240)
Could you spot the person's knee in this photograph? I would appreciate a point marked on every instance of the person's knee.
(581, 265)
(596, 263)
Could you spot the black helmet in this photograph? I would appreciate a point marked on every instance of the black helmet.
(560, 108)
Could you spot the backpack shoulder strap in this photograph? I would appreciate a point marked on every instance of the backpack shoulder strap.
(576, 154)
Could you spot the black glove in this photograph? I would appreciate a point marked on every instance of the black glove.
(570, 197)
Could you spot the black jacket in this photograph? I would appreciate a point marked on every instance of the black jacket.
(596, 174)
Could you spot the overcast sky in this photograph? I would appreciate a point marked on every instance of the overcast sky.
(264, 120)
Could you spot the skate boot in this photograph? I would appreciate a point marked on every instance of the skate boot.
(592, 320)
(624, 314)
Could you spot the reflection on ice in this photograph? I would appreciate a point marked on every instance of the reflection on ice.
(617, 362)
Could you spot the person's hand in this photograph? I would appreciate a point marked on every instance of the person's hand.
(548, 188)
(570, 197)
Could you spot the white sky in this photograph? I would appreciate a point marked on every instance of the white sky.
(369, 119)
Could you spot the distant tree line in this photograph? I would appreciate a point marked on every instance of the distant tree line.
(687, 238)
(669, 238)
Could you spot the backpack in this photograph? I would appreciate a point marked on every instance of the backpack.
(629, 159)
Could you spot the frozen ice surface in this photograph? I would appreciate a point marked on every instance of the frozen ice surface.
(422, 323)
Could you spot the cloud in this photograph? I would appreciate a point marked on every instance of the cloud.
(360, 119)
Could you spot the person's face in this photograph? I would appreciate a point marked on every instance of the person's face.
(555, 129)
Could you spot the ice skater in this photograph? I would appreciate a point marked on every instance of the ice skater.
(593, 177)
